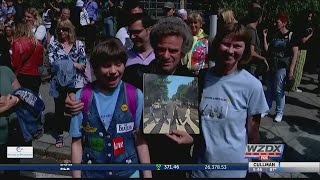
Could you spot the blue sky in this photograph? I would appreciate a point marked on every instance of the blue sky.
(176, 81)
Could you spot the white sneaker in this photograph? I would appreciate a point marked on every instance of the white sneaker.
(264, 115)
(298, 90)
(278, 118)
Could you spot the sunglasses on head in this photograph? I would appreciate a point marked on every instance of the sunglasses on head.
(63, 29)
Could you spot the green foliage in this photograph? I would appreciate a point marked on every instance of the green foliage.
(39, 3)
(187, 93)
(157, 89)
(294, 8)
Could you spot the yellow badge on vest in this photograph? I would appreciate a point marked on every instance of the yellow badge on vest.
(87, 128)
(124, 107)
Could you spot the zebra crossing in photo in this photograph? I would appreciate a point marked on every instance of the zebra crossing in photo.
(159, 126)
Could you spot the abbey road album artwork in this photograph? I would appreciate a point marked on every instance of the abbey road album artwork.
(170, 102)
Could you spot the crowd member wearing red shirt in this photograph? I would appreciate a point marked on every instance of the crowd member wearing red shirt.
(27, 57)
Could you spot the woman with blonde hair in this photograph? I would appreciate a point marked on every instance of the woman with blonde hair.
(226, 16)
(27, 57)
(33, 18)
(68, 60)
(197, 57)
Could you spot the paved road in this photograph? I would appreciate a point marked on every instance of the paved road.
(300, 128)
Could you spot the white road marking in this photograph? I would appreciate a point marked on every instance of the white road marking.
(148, 128)
(165, 127)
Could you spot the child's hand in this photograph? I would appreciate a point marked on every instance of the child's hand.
(74, 106)
(181, 137)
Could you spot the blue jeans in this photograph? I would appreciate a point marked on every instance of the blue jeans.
(109, 26)
(275, 89)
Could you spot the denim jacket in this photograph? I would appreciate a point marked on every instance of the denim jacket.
(63, 71)
(31, 128)
(113, 146)
(29, 112)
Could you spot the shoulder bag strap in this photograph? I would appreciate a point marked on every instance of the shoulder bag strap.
(86, 97)
(131, 99)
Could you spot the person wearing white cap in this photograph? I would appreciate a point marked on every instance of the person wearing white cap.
(183, 14)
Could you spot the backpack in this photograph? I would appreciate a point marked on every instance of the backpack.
(87, 94)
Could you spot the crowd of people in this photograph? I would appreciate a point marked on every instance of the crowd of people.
(106, 123)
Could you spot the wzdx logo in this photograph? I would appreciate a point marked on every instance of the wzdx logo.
(264, 151)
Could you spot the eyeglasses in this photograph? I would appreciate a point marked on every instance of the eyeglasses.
(62, 30)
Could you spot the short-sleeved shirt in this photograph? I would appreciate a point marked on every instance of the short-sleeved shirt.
(282, 43)
(124, 37)
(40, 32)
(136, 58)
(123, 34)
(6, 79)
(255, 41)
(105, 103)
(280, 49)
(226, 103)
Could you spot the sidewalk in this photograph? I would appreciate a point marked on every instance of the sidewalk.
(299, 130)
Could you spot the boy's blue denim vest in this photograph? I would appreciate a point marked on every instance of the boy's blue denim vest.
(97, 143)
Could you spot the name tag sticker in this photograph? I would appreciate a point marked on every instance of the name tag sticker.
(125, 127)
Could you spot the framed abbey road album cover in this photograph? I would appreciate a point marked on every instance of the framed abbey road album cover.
(170, 102)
